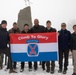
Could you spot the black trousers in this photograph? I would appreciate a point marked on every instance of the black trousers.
(14, 65)
(48, 65)
(35, 65)
(64, 53)
(1, 60)
(30, 65)
(6, 51)
(23, 64)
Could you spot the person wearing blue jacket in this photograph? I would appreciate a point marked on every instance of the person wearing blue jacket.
(64, 46)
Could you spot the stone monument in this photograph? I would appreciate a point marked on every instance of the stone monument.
(24, 16)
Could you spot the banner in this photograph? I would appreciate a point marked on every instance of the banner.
(34, 47)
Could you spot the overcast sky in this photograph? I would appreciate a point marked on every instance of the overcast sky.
(57, 11)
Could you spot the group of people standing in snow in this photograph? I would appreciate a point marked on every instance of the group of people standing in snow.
(66, 43)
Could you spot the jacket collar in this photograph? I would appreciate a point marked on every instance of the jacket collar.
(64, 30)
(74, 33)
(36, 26)
(49, 28)
(3, 29)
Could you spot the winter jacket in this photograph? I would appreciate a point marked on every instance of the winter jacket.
(64, 39)
(38, 29)
(50, 30)
(25, 32)
(14, 30)
(4, 38)
(73, 41)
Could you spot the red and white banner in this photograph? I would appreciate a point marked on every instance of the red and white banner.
(33, 47)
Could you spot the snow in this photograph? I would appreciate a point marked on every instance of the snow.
(39, 71)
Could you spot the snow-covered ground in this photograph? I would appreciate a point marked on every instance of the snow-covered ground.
(39, 71)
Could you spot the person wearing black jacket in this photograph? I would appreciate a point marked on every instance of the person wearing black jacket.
(64, 46)
(37, 29)
(73, 48)
(4, 39)
(49, 29)
(25, 31)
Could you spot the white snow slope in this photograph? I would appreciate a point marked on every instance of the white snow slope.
(39, 71)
